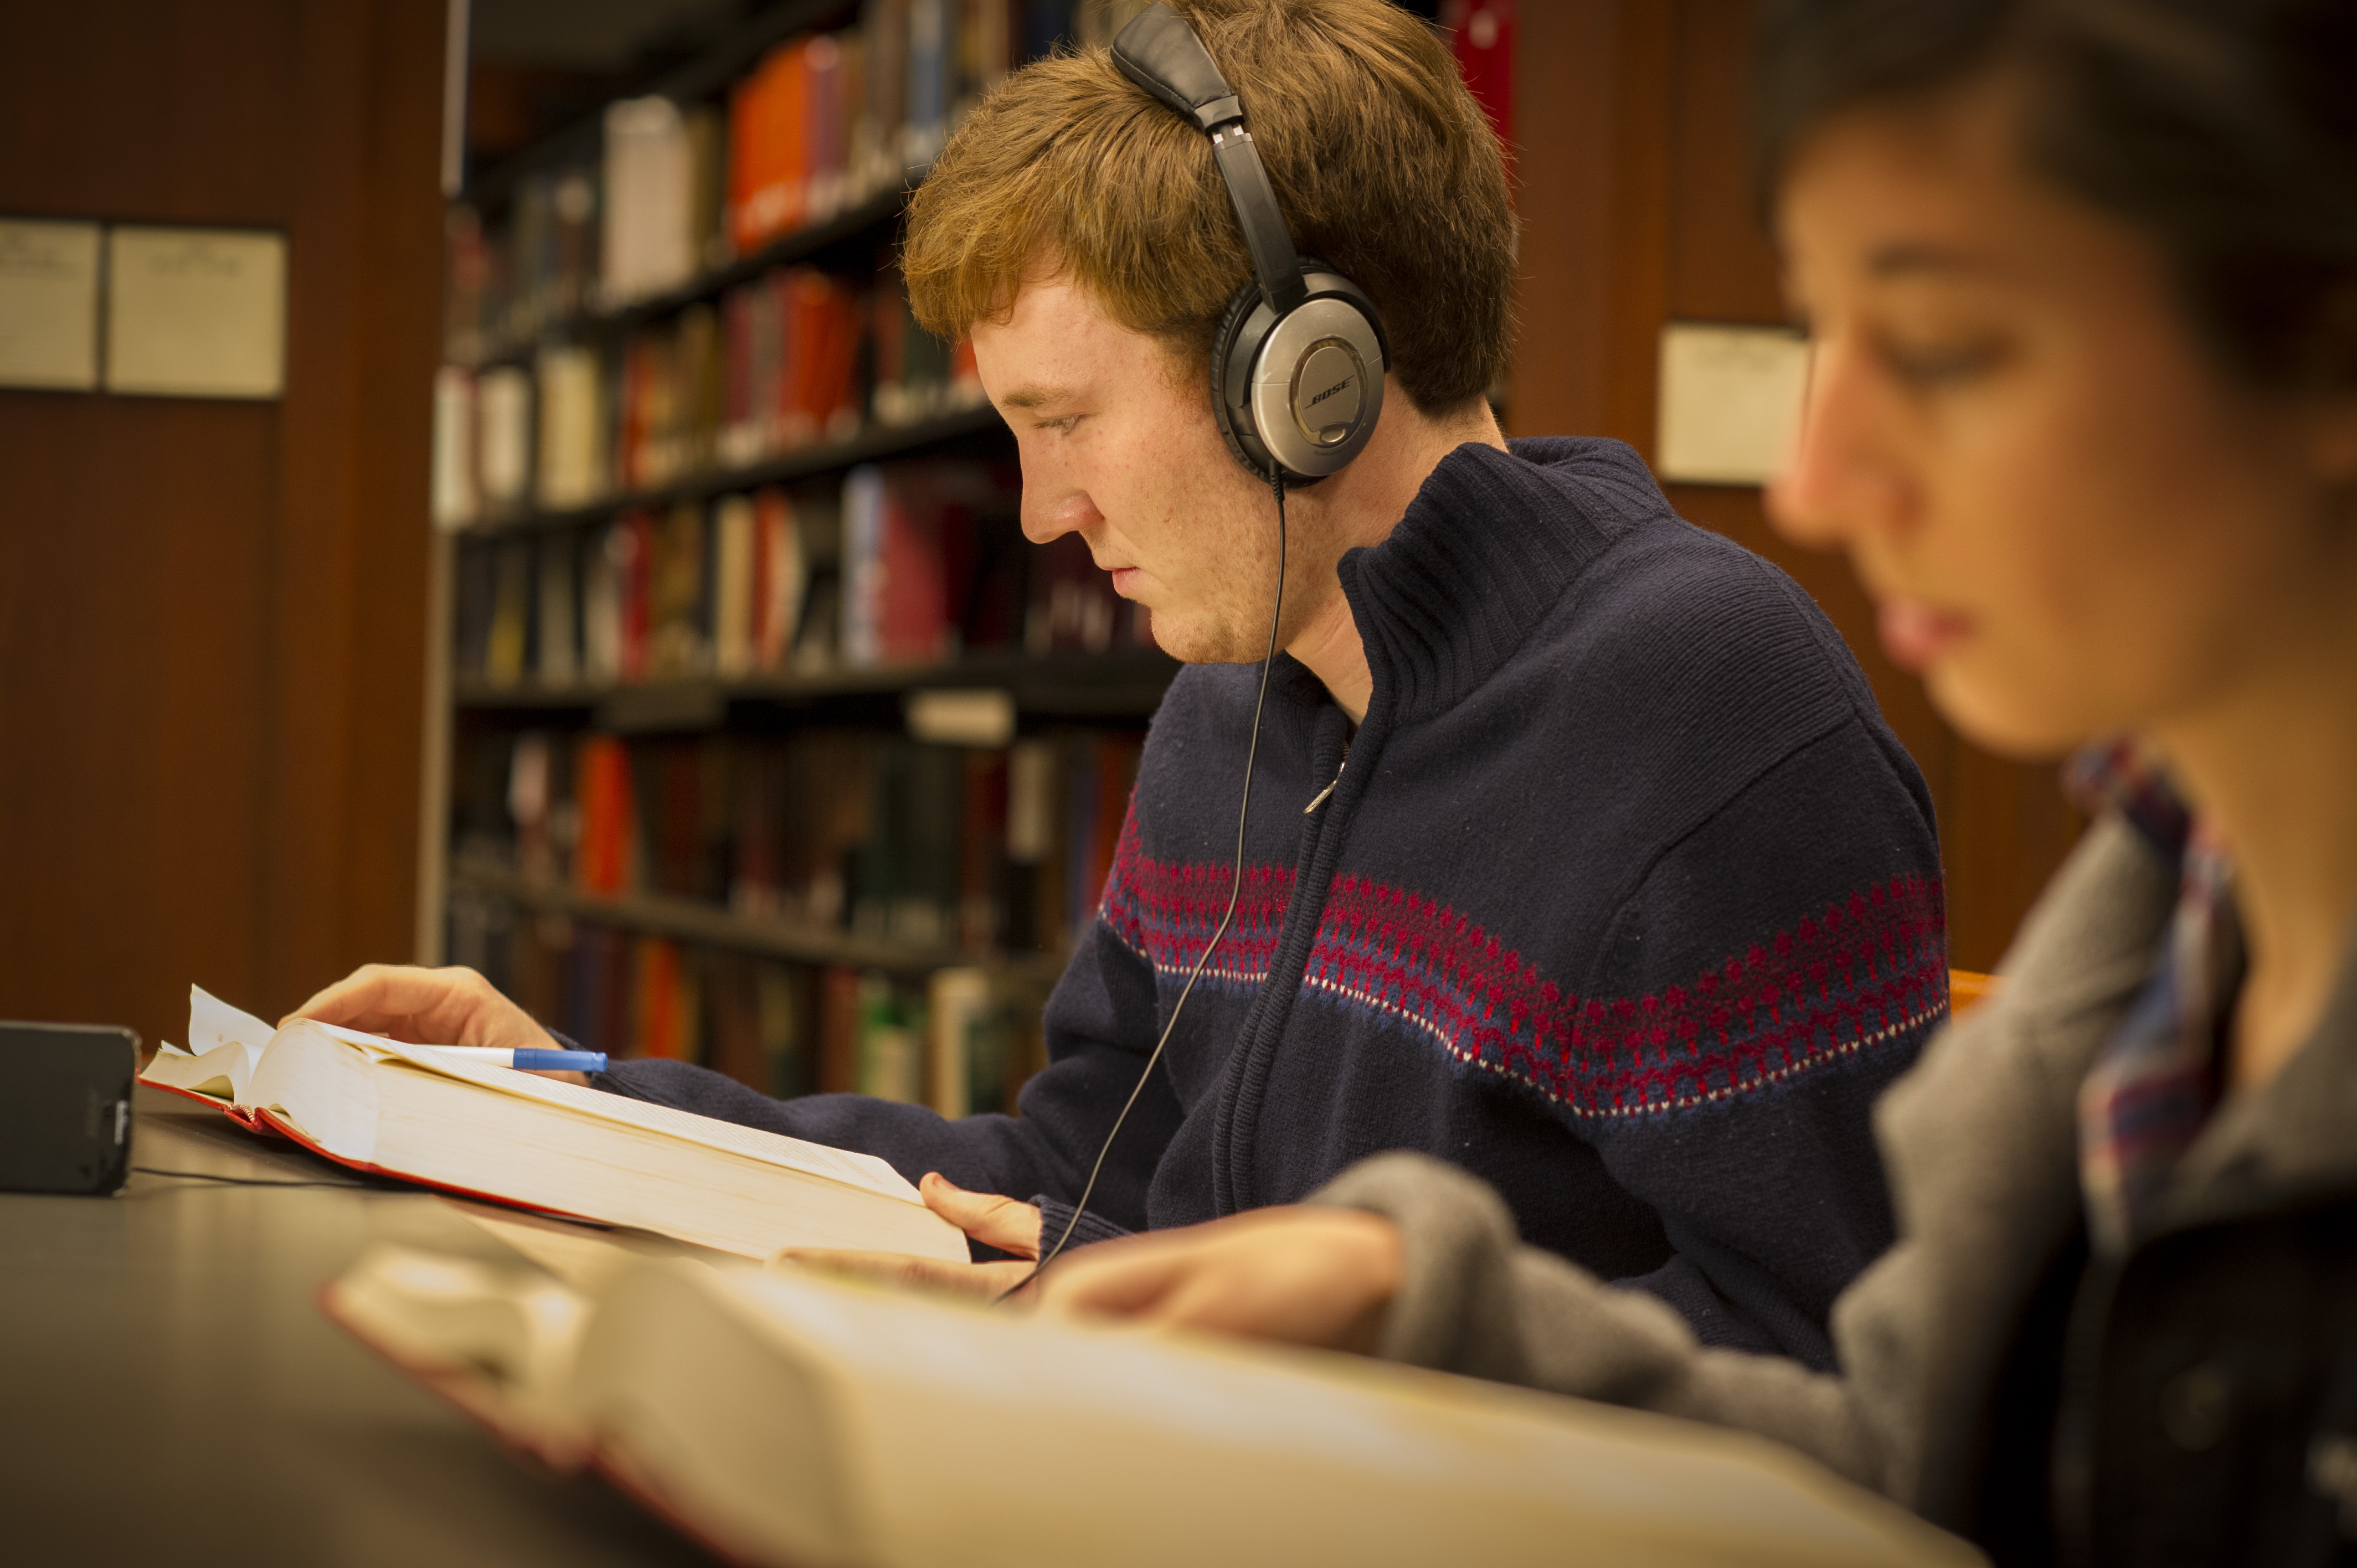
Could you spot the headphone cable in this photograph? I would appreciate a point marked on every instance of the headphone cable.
(1235, 891)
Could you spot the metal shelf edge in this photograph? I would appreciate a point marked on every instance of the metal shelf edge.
(691, 919)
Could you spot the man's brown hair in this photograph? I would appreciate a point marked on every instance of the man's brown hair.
(1385, 168)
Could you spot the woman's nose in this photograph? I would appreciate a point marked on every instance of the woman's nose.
(1842, 477)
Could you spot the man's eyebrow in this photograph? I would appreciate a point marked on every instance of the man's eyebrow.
(1034, 396)
(1904, 257)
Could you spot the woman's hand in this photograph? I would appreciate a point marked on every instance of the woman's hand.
(1308, 1274)
(452, 1006)
(1002, 1222)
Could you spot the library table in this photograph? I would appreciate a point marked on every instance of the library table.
(171, 1393)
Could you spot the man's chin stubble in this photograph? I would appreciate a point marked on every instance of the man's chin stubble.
(1215, 644)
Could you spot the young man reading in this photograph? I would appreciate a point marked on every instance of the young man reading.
(1579, 855)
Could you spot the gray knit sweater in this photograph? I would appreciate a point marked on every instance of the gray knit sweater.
(1979, 1143)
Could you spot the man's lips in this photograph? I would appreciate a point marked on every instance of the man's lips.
(1124, 578)
(1914, 633)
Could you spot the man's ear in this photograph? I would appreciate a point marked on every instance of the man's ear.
(2333, 446)
(2329, 378)
(2330, 374)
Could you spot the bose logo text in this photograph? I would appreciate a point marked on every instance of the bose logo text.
(1329, 391)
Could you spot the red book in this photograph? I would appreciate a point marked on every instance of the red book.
(822, 134)
(601, 770)
(830, 324)
(630, 432)
(913, 622)
(469, 1127)
(794, 424)
(634, 571)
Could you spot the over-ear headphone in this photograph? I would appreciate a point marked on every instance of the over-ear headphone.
(1297, 367)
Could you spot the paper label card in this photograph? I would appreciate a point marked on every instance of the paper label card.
(1730, 402)
(49, 305)
(196, 312)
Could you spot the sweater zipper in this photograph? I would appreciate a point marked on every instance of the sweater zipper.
(1327, 793)
(1238, 1108)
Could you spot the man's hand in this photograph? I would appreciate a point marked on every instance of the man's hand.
(429, 1007)
(1304, 1275)
(994, 1221)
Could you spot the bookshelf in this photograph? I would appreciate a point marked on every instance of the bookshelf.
(714, 529)
(976, 430)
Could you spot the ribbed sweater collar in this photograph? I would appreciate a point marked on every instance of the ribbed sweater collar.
(1485, 550)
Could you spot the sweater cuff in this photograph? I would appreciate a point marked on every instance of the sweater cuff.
(1055, 1214)
(1454, 1308)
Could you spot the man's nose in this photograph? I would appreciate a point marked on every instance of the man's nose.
(1050, 514)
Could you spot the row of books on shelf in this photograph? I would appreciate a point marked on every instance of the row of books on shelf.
(821, 124)
(795, 360)
(935, 848)
(906, 564)
(962, 1039)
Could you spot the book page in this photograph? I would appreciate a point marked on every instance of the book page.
(213, 1022)
(225, 1046)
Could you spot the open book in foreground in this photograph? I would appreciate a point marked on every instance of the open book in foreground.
(787, 1418)
(412, 1111)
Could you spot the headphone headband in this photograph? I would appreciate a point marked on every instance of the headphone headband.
(1161, 53)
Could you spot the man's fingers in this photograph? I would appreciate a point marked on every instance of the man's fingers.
(981, 1280)
(452, 1006)
(1113, 1279)
(994, 1221)
(378, 994)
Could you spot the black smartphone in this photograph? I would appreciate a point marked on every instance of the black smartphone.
(65, 1107)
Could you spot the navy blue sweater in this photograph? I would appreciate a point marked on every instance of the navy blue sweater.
(1628, 902)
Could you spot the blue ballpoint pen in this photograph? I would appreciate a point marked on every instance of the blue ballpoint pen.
(530, 1061)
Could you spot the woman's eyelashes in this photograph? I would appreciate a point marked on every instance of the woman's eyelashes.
(1934, 364)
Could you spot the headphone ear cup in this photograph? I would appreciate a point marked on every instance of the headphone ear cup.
(1234, 349)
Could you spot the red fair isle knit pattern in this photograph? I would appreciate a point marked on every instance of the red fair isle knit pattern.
(1867, 972)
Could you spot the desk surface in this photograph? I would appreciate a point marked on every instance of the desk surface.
(170, 1392)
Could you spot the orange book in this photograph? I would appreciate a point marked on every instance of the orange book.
(768, 135)
(816, 398)
(660, 1000)
(779, 574)
(838, 1032)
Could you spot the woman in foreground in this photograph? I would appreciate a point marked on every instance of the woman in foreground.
(2082, 276)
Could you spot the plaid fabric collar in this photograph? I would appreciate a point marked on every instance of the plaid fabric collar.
(2153, 1087)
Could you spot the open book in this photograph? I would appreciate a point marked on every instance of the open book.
(412, 1111)
(786, 1418)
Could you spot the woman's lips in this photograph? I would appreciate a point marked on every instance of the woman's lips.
(1914, 633)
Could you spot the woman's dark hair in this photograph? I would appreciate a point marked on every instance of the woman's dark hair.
(2224, 130)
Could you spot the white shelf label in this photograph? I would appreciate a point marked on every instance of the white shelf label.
(196, 312)
(49, 305)
(1730, 402)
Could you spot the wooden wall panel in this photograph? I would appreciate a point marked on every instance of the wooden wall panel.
(1634, 187)
(212, 614)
